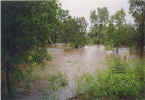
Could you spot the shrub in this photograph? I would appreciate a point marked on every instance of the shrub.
(38, 56)
(57, 81)
(121, 80)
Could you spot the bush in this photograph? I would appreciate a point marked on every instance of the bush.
(122, 80)
(39, 56)
(57, 81)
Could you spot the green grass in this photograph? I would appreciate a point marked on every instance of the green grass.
(121, 80)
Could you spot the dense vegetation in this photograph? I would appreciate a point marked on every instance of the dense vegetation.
(122, 80)
(25, 29)
(28, 28)
(114, 32)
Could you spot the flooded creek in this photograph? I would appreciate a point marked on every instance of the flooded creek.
(72, 63)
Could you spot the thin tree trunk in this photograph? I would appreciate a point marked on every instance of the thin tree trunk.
(142, 41)
(117, 50)
(8, 84)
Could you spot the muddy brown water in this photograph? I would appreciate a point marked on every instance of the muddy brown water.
(72, 63)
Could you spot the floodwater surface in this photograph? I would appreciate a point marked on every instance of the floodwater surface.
(72, 63)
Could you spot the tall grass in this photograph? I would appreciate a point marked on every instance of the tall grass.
(122, 80)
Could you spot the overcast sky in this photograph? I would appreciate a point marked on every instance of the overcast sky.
(83, 7)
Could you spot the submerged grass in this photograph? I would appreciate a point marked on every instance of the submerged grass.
(122, 80)
(57, 81)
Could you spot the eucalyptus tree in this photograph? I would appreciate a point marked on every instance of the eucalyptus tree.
(63, 27)
(93, 18)
(119, 21)
(115, 31)
(74, 31)
(94, 26)
(137, 9)
(79, 39)
(99, 21)
(103, 15)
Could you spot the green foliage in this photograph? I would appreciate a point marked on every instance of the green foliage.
(27, 26)
(119, 34)
(115, 32)
(120, 80)
(137, 10)
(57, 81)
(73, 31)
(98, 24)
(38, 56)
(100, 18)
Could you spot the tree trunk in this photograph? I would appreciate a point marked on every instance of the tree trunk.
(142, 40)
(117, 50)
(9, 89)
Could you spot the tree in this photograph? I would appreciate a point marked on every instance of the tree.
(98, 23)
(119, 21)
(103, 15)
(115, 31)
(137, 9)
(63, 26)
(26, 26)
(79, 36)
(93, 18)
(72, 30)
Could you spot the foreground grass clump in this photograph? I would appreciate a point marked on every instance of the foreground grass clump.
(59, 80)
(55, 82)
(120, 81)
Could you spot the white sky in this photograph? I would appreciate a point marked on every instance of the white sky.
(83, 7)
